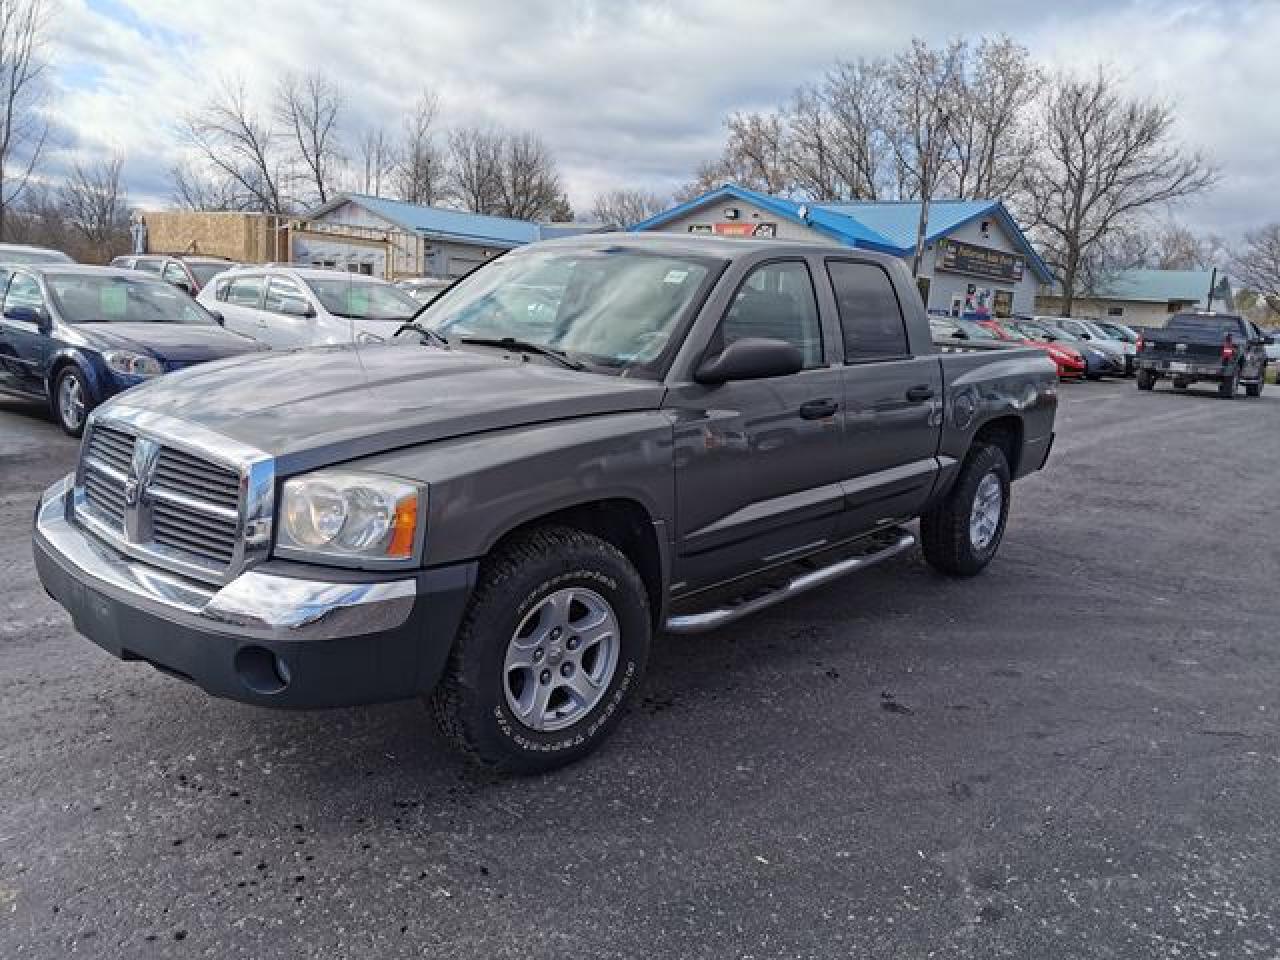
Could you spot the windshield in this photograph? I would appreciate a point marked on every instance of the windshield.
(1118, 332)
(1038, 333)
(362, 299)
(613, 308)
(96, 298)
(10, 255)
(204, 272)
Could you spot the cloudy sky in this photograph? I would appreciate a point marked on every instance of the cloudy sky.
(634, 94)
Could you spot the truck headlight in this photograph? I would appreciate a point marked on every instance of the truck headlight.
(132, 364)
(361, 519)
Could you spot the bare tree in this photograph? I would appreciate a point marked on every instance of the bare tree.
(196, 188)
(622, 208)
(308, 107)
(24, 25)
(421, 175)
(475, 168)
(1105, 160)
(377, 161)
(94, 202)
(529, 184)
(242, 147)
(1257, 263)
(837, 147)
(989, 128)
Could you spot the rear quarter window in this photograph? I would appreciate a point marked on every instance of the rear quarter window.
(870, 315)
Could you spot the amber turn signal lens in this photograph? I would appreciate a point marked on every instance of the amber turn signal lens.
(403, 528)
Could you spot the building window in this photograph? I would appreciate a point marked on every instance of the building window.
(1002, 303)
(366, 269)
(1115, 311)
(1173, 307)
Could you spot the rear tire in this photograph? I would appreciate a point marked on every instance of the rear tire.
(1180, 384)
(523, 691)
(1146, 380)
(1254, 390)
(960, 534)
(1227, 387)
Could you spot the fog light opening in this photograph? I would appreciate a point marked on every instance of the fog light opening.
(261, 670)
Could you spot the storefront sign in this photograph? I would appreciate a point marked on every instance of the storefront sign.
(979, 261)
(767, 230)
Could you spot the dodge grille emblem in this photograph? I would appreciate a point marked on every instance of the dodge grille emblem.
(131, 492)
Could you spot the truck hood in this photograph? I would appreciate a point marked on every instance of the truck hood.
(174, 344)
(313, 407)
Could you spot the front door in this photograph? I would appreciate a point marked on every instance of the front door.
(24, 342)
(759, 462)
(893, 400)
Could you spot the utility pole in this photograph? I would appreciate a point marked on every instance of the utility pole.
(1213, 285)
(928, 174)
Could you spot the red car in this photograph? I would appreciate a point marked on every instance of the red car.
(1069, 362)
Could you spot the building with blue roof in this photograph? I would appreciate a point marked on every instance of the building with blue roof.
(391, 238)
(977, 260)
(1146, 298)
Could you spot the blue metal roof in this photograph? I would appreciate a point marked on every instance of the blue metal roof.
(889, 227)
(447, 224)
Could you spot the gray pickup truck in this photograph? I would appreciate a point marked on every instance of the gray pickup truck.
(584, 442)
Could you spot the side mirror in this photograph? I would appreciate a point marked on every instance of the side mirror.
(752, 358)
(297, 308)
(218, 317)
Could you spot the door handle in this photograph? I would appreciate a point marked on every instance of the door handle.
(819, 409)
(920, 394)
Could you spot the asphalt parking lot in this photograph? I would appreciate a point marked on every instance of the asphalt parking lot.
(1074, 755)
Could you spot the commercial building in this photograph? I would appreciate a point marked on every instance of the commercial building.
(242, 237)
(977, 261)
(390, 238)
(1146, 298)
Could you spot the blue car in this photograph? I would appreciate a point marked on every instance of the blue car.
(74, 336)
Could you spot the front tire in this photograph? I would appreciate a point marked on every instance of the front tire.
(1146, 380)
(71, 401)
(960, 534)
(1227, 387)
(553, 646)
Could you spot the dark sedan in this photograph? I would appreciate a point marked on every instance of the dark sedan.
(75, 336)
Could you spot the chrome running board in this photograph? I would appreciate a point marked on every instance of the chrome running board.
(801, 583)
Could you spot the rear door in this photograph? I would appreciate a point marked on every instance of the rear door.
(759, 462)
(892, 399)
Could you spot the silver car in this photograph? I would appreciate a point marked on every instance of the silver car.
(287, 307)
(1088, 331)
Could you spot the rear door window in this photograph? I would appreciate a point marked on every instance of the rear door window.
(24, 291)
(870, 314)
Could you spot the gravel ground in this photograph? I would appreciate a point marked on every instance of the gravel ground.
(1075, 755)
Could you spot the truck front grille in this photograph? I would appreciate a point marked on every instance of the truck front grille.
(162, 503)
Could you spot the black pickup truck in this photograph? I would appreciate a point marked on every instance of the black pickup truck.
(1220, 347)
(497, 509)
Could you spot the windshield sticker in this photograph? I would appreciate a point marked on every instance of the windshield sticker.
(113, 300)
(675, 276)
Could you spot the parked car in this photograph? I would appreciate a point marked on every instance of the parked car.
(502, 523)
(1117, 330)
(289, 307)
(21, 253)
(950, 333)
(185, 272)
(1089, 332)
(1069, 362)
(74, 335)
(1097, 362)
(423, 289)
(1221, 348)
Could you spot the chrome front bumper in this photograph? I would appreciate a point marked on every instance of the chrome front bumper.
(255, 605)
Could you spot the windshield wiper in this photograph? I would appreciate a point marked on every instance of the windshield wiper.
(524, 346)
(427, 332)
